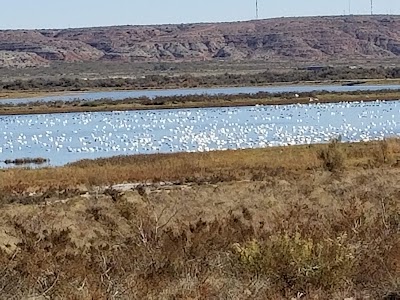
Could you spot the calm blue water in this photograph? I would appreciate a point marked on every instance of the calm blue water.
(118, 95)
(65, 138)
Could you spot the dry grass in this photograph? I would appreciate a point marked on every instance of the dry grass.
(231, 165)
(320, 237)
(200, 167)
(291, 230)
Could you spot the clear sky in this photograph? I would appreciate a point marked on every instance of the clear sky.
(83, 13)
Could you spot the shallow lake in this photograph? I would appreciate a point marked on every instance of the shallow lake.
(65, 138)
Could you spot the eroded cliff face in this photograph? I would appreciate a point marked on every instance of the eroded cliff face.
(280, 39)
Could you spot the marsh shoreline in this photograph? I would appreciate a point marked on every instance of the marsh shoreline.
(196, 101)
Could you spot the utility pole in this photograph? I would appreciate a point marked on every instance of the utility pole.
(256, 9)
(372, 7)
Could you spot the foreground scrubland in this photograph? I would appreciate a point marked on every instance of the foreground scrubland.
(308, 222)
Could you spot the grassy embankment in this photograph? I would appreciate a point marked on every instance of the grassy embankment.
(309, 222)
(195, 101)
(46, 92)
(30, 86)
(215, 166)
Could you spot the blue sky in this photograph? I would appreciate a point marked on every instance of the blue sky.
(83, 13)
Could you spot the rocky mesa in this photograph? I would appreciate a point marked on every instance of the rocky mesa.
(281, 39)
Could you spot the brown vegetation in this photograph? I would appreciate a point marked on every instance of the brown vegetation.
(331, 74)
(26, 160)
(332, 157)
(254, 224)
(193, 101)
(212, 167)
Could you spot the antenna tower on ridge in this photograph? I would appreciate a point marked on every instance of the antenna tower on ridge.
(372, 7)
(256, 9)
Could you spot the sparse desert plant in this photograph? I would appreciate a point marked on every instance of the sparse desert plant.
(332, 156)
(114, 194)
(385, 151)
(299, 263)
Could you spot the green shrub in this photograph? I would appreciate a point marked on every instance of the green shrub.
(299, 262)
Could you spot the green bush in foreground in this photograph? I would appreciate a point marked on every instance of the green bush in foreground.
(297, 262)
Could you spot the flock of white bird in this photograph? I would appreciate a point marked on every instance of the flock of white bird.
(65, 138)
